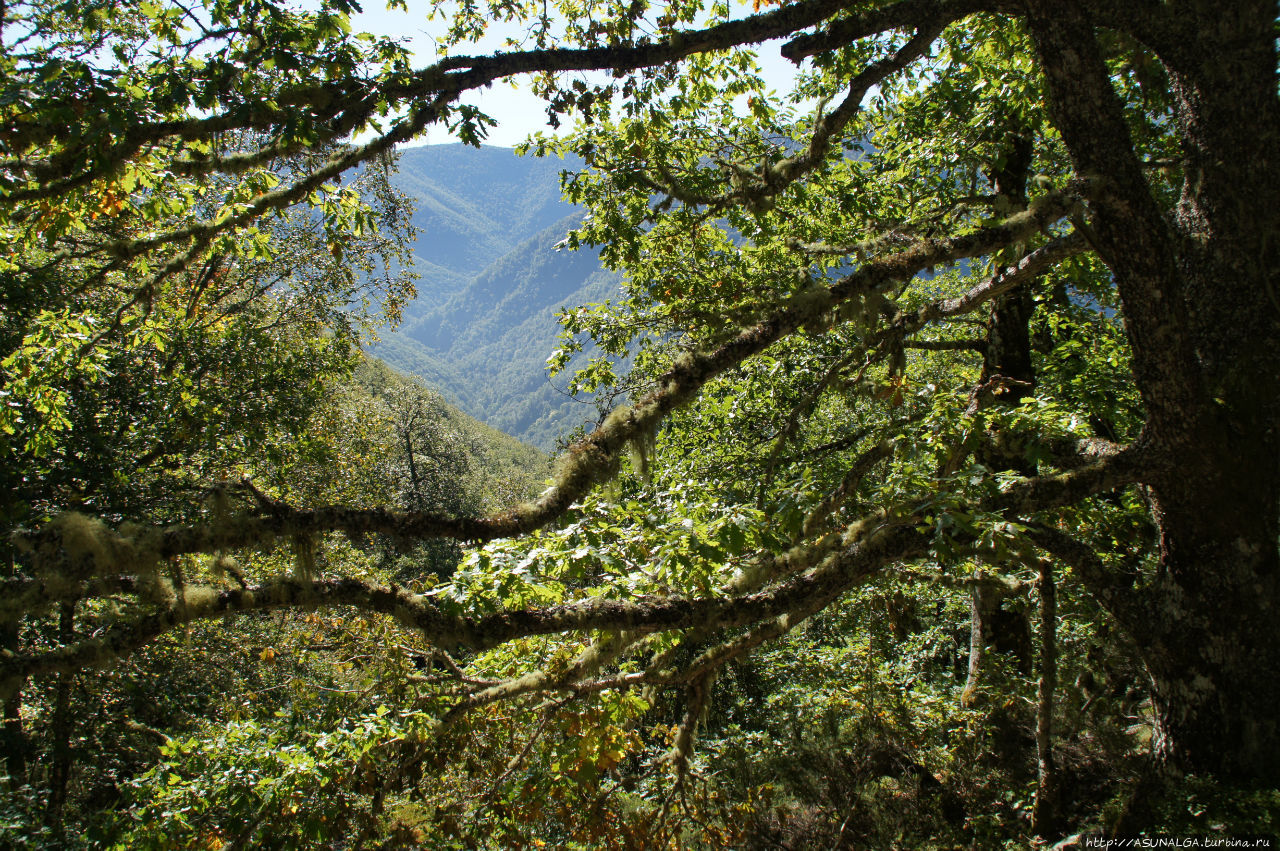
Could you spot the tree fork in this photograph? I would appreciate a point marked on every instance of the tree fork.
(1197, 296)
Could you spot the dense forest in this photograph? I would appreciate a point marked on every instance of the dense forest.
(938, 505)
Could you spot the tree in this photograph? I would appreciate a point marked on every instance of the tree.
(112, 401)
(1117, 163)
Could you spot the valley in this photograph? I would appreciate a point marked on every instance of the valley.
(491, 281)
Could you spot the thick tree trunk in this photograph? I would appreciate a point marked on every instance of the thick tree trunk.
(1216, 688)
(1217, 673)
(1216, 668)
(1201, 297)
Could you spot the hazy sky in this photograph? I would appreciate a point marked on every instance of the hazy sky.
(518, 111)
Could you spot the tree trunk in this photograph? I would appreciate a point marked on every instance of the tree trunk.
(1008, 374)
(13, 737)
(978, 607)
(1044, 816)
(60, 766)
(1216, 668)
(1201, 296)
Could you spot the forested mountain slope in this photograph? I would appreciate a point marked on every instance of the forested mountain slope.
(491, 282)
(501, 468)
(473, 206)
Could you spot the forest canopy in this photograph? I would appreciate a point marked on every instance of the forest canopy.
(943, 509)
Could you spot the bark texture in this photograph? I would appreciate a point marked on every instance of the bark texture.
(1199, 294)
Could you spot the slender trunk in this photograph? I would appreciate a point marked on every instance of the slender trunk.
(1044, 816)
(978, 607)
(15, 751)
(60, 766)
(13, 741)
(416, 501)
(14, 738)
(1008, 370)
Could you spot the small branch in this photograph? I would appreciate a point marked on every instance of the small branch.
(696, 696)
(1027, 269)
(334, 110)
(756, 187)
(516, 761)
(24, 595)
(978, 346)
(797, 413)
(853, 477)
(590, 660)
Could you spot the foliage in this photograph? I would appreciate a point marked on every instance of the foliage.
(298, 793)
(964, 341)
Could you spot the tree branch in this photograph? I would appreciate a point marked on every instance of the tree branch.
(757, 186)
(1131, 233)
(906, 14)
(347, 108)
(1115, 591)
(882, 538)
(595, 458)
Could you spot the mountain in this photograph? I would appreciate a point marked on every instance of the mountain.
(473, 206)
(492, 279)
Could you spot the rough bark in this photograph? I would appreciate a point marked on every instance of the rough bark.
(1215, 669)
(1199, 296)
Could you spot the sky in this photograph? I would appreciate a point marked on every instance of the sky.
(517, 110)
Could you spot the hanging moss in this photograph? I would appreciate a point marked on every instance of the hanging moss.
(200, 596)
(88, 546)
(223, 566)
(304, 557)
(156, 589)
(641, 448)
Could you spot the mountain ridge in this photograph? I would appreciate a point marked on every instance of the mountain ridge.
(492, 279)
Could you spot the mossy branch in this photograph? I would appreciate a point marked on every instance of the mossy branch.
(592, 460)
(881, 539)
